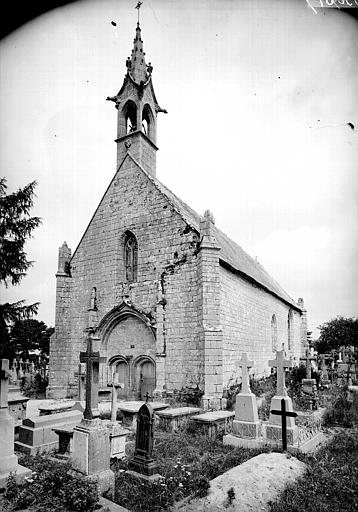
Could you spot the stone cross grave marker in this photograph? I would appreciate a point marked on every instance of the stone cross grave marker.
(284, 414)
(115, 385)
(280, 363)
(245, 364)
(92, 360)
(308, 360)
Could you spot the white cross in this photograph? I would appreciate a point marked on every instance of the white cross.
(280, 363)
(245, 364)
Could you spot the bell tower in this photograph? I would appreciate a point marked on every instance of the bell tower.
(137, 110)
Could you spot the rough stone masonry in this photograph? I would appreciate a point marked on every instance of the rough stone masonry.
(169, 299)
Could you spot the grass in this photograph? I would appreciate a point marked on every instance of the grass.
(331, 481)
(187, 462)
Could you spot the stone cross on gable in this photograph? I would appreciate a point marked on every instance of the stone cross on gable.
(280, 363)
(245, 364)
(4, 377)
(92, 360)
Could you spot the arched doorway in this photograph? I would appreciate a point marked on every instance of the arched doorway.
(119, 371)
(144, 376)
(129, 344)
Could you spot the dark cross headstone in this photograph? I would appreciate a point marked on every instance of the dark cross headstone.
(143, 463)
(92, 360)
(284, 414)
(147, 396)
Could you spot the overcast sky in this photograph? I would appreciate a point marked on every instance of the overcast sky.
(259, 96)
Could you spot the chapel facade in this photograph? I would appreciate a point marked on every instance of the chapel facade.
(169, 300)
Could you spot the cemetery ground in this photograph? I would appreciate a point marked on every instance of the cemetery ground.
(188, 461)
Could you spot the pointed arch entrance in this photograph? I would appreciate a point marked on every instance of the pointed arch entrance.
(128, 341)
(144, 376)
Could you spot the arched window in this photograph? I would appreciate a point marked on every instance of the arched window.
(131, 257)
(130, 116)
(290, 329)
(274, 333)
(148, 122)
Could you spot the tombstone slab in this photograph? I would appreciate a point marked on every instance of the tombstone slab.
(91, 438)
(143, 466)
(36, 434)
(211, 423)
(246, 424)
(172, 419)
(91, 454)
(130, 411)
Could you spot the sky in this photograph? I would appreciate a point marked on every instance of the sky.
(259, 95)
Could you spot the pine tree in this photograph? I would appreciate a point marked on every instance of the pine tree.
(16, 227)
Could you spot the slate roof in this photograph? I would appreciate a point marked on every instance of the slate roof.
(231, 253)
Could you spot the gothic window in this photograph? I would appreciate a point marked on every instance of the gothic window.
(130, 116)
(148, 122)
(131, 257)
(290, 329)
(274, 333)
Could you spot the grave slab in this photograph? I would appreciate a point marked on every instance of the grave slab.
(130, 411)
(36, 434)
(211, 423)
(172, 419)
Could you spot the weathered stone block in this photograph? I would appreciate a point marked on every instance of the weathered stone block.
(246, 428)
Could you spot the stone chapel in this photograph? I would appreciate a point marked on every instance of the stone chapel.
(169, 300)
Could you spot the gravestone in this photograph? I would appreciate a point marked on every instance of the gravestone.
(246, 424)
(91, 442)
(309, 385)
(143, 466)
(284, 415)
(274, 428)
(8, 460)
(115, 385)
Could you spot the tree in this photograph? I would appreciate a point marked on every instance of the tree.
(30, 334)
(338, 332)
(16, 227)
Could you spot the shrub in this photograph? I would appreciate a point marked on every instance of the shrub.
(343, 410)
(50, 487)
(34, 387)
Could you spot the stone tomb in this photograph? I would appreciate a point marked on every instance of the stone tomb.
(273, 428)
(8, 460)
(171, 420)
(91, 439)
(36, 434)
(130, 411)
(211, 423)
(246, 425)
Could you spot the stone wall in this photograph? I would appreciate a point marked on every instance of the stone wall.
(165, 293)
(246, 313)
